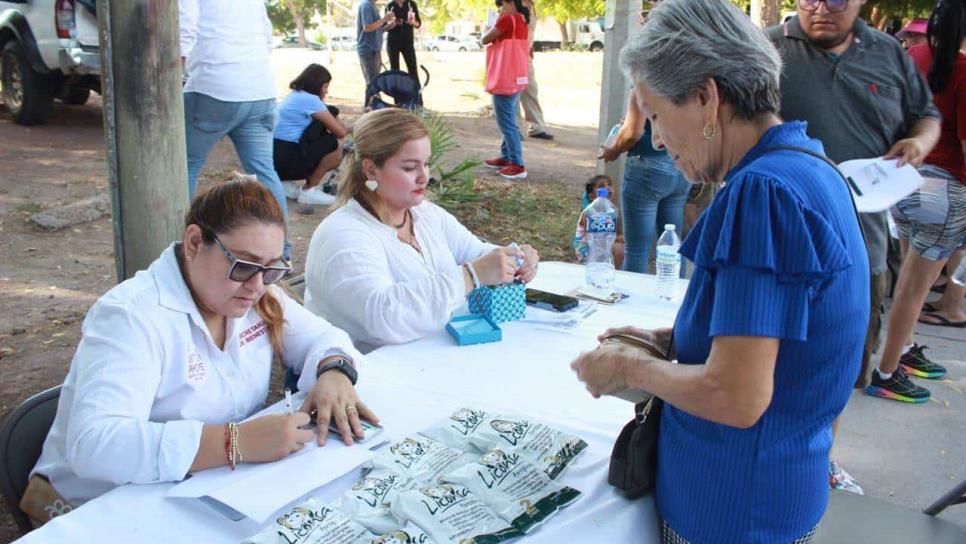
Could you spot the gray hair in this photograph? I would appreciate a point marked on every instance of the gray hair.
(686, 42)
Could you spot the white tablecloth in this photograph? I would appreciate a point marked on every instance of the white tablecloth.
(410, 387)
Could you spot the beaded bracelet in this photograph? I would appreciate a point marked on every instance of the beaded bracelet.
(232, 452)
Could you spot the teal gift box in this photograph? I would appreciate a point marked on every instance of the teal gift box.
(502, 303)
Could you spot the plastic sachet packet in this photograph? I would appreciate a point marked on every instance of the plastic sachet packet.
(418, 457)
(516, 489)
(409, 534)
(453, 514)
(313, 522)
(480, 431)
(368, 500)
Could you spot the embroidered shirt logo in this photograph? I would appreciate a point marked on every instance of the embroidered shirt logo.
(251, 334)
(197, 372)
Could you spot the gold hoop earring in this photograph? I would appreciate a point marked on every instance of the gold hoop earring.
(709, 131)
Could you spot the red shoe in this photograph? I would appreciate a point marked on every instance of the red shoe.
(513, 171)
(497, 163)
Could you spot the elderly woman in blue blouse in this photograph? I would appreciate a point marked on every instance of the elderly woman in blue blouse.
(770, 332)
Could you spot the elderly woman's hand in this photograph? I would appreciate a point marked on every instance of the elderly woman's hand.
(531, 259)
(604, 370)
(660, 337)
(609, 152)
(335, 399)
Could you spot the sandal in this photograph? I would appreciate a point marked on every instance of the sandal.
(943, 321)
(930, 308)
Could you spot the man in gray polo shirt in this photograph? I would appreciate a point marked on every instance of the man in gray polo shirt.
(862, 97)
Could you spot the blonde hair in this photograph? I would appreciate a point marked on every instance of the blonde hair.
(378, 136)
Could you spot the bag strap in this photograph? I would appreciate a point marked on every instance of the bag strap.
(848, 182)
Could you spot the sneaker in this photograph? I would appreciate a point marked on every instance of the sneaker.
(315, 197)
(542, 135)
(292, 189)
(497, 163)
(897, 387)
(839, 479)
(915, 363)
(513, 171)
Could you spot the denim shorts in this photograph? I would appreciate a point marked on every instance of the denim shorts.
(933, 218)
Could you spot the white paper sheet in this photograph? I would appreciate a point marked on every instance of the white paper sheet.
(258, 490)
(877, 184)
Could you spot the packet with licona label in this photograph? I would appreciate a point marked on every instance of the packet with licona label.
(368, 500)
(313, 522)
(420, 458)
(452, 514)
(476, 430)
(408, 534)
(516, 489)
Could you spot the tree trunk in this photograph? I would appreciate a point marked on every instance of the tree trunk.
(300, 28)
(564, 36)
(765, 13)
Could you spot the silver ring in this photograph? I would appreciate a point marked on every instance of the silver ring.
(351, 410)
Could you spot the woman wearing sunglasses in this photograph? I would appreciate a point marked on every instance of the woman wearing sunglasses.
(172, 361)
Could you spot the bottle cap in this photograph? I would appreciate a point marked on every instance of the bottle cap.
(603, 192)
(669, 226)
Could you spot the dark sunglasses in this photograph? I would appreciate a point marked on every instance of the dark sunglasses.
(833, 6)
(242, 271)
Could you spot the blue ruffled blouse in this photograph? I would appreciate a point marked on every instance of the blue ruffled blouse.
(778, 254)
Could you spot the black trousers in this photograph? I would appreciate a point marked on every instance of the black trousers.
(408, 53)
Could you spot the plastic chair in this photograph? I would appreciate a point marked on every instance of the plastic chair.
(856, 519)
(21, 440)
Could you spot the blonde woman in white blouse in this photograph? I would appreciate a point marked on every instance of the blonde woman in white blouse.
(388, 266)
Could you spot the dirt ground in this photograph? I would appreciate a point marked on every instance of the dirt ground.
(49, 279)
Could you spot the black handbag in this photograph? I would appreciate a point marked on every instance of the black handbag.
(633, 461)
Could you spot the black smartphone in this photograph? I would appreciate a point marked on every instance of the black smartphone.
(551, 301)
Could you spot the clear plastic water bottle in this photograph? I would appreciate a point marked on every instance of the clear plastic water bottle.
(601, 233)
(610, 139)
(959, 276)
(668, 263)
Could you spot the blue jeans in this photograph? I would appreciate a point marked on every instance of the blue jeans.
(653, 195)
(250, 126)
(505, 108)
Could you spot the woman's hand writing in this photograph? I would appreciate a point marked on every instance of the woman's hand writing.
(270, 438)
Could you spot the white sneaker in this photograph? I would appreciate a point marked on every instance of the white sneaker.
(292, 189)
(315, 196)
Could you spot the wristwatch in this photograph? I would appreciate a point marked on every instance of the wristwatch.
(342, 365)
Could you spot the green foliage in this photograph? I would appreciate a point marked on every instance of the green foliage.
(282, 13)
(564, 10)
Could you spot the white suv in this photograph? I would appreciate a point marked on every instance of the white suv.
(48, 49)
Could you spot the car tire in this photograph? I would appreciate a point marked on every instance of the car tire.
(76, 96)
(596, 46)
(28, 95)
(462, 50)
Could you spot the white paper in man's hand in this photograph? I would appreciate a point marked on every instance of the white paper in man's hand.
(877, 184)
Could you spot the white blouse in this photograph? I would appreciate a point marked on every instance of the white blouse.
(380, 290)
(147, 376)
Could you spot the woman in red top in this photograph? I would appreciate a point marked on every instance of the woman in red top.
(932, 220)
(512, 24)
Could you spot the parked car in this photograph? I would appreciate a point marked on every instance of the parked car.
(48, 50)
(448, 42)
(293, 41)
(343, 43)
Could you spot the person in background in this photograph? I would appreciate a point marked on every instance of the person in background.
(400, 38)
(230, 90)
(387, 265)
(511, 24)
(777, 308)
(172, 362)
(653, 192)
(913, 33)
(863, 98)
(581, 248)
(307, 137)
(529, 101)
(369, 29)
(932, 220)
